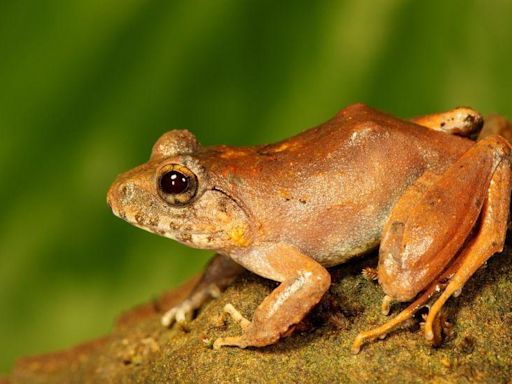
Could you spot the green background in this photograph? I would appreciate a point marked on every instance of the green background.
(87, 86)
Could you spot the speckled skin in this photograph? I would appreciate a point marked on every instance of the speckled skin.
(335, 183)
(329, 190)
(287, 210)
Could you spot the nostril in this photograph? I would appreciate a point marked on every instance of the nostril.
(123, 190)
(126, 191)
(120, 195)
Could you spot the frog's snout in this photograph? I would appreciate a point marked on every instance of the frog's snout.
(112, 198)
(118, 195)
(109, 197)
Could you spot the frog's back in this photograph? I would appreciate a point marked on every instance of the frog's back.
(330, 189)
(359, 129)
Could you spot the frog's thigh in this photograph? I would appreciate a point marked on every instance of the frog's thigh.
(444, 217)
(458, 121)
(303, 283)
(422, 235)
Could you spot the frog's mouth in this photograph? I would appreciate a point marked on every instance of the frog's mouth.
(163, 226)
(213, 220)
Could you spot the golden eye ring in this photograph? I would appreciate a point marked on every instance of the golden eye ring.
(176, 184)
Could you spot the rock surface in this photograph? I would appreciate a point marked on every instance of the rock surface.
(139, 350)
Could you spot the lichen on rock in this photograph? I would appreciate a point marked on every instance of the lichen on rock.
(478, 347)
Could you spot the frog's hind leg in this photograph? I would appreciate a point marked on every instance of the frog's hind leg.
(459, 121)
(425, 245)
(489, 240)
(406, 314)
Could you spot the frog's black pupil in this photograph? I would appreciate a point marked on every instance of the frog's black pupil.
(174, 182)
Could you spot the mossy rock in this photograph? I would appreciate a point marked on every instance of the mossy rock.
(139, 350)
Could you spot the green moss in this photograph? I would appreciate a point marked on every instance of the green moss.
(139, 350)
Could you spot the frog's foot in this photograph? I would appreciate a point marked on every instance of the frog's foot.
(414, 253)
(386, 305)
(236, 316)
(239, 341)
(184, 312)
(460, 121)
(422, 300)
(240, 320)
(441, 327)
(406, 314)
(235, 341)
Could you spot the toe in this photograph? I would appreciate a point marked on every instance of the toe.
(228, 342)
(168, 318)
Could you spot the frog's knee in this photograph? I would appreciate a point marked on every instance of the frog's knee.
(399, 284)
(399, 290)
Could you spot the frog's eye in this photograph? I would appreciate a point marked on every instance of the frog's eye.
(177, 184)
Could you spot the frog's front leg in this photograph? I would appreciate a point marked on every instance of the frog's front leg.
(425, 245)
(303, 283)
(219, 273)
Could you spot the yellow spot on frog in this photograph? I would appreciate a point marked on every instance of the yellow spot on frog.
(282, 147)
(237, 236)
(287, 145)
(232, 153)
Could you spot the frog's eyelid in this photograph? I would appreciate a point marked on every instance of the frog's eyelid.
(178, 141)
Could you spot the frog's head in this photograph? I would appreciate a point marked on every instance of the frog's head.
(172, 195)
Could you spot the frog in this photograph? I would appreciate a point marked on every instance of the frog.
(428, 193)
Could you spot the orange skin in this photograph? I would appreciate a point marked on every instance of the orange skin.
(287, 211)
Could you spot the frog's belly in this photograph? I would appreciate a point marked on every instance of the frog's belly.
(345, 251)
(341, 233)
(342, 256)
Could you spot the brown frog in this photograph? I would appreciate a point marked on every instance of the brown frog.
(436, 202)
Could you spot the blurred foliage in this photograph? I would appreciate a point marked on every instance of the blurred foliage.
(87, 86)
